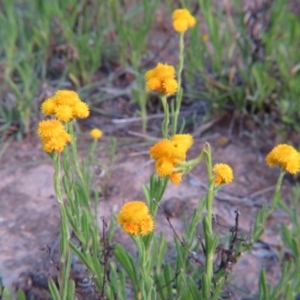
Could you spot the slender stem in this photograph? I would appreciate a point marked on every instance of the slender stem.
(186, 166)
(276, 198)
(263, 215)
(89, 165)
(92, 151)
(277, 195)
(78, 169)
(144, 264)
(140, 93)
(74, 151)
(209, 205)
(179, 91)
(210, 191)
(165, 124)
(64, 269)
(57, 175)
(64, 266)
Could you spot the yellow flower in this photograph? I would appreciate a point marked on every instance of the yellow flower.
(135, 219)
(154, 84)
(65, 105)
(66, 97)
(161, 79)
(168, 154)
(53, 135)
(146, 225)
(81, 110)
(286, 157)
(50, 128)
(223, 174)
(163, 148)
(169, 86)
(176, 178)
(96, 133)
(182, 20)
(48, 107)
(182, 142)
(56, 143)
(164, 71)
(164, 167)
(63, 113)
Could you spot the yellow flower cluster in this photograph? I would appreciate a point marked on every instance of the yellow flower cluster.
(286, 157)
(65, 106)
(135, 219)
(223, 174)
(182, 20)
(161, 79)
(96, 133)
(169, 153)
(53, 135)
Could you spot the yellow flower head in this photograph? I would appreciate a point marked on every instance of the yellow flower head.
(164, 167)
(161, 79)
(146, 225)
(170, 86)
(66, 97)
(182, 20)
(63, 113)
(53, 135)
(96, 133)
(48, 107)
(135, 219)
(182, 142)
(164, 71)
(286, 157)
(65, 106)
(163, 148)
(81, 110)
(223, 174)
(169, 153)
(56, 143)
(50, 128)
(176, 178)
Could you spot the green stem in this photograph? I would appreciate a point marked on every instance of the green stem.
(157, 188)
(74, 151)
(209, 208)
(146, 282)
(77, 167)
(92, 151)
(186, 166)
(85, 200)
(210, 192)
(277, 194)
(276, 200)
(65, 258)
(65, 255)
(179, 91)
(57, 176)
(264, 214)
(165, 124)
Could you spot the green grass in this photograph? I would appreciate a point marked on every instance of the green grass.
(64, 44)
(249, 70)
